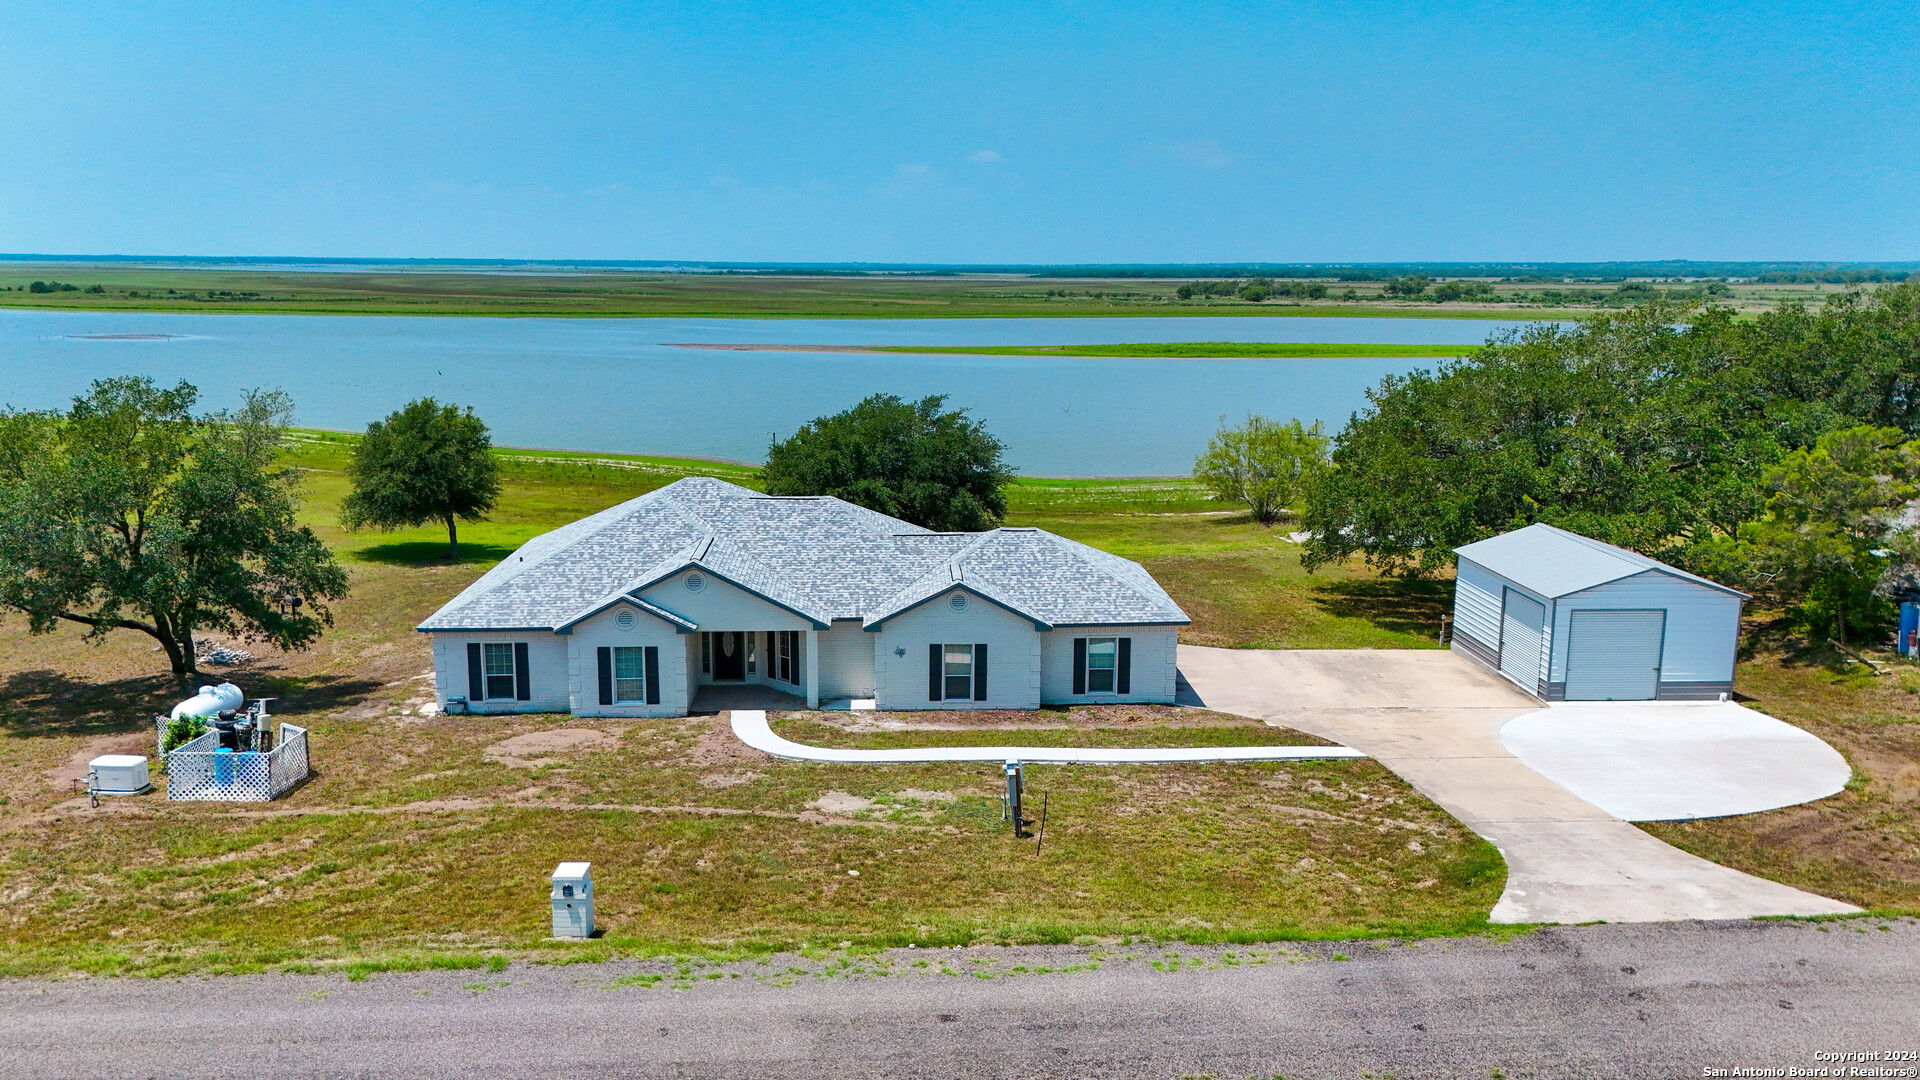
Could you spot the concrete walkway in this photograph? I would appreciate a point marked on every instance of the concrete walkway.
(1675, 760)
(750, 725)
(1435, 720)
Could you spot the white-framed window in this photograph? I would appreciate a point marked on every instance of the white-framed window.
(1103, 658)
(499, 670)
(957, 666)
(629, 673)
(781, 663)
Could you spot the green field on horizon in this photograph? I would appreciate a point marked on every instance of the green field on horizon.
(634, 294)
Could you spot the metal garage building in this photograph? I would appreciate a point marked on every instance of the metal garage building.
(1569, 618)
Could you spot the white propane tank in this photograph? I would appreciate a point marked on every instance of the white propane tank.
(211, 700)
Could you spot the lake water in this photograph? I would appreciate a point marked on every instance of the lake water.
(614, 384)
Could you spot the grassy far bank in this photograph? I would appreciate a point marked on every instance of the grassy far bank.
(424, 839)
(630, 293)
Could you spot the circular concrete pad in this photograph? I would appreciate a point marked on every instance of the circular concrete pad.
(1672, 760)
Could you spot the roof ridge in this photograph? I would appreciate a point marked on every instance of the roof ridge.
(955, 561)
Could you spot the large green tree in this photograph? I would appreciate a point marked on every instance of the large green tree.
(1656, 429)
(912, 460)
(426, 463)
(128, 512)
(1263, 463)
(1835, 523)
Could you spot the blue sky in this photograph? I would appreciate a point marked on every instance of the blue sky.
(964, 132)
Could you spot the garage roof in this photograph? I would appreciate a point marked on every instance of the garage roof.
(1552, 562)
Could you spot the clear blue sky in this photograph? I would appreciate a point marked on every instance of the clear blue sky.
(963, 132)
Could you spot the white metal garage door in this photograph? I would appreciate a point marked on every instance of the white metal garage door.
(1522, 620)
(1615, 655)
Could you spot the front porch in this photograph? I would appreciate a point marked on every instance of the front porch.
(726, 697)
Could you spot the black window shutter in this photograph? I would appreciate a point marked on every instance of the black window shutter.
(476, 673)
(653, 675)
(522, 678)
(606, 675)
(1123, 678)
(980, 672)
(1079, 665)
(933, 673)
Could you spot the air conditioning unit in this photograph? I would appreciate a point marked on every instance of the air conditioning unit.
(118, 774)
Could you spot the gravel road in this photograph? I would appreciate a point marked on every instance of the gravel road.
(1661, 1000)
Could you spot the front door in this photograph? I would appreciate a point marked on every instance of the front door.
(729, 657)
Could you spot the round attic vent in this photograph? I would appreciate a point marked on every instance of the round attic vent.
(695, 582)
(624, 620)
(958, 602)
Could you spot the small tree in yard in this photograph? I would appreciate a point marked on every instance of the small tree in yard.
(936, 469)
(427, 462)
(129, 513)
(1263, 463)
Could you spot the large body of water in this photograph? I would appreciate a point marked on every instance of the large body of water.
(615, 385)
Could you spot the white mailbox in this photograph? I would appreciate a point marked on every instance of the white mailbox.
(573, 900)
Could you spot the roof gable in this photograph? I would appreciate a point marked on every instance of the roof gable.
(1552, 563)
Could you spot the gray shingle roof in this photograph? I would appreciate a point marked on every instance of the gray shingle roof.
(820, 556)
(1554, 562)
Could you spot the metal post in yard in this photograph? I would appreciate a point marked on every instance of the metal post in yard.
(1045, 797)
(1013, 796)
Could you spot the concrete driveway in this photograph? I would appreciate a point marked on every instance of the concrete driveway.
(1435, 720)
(1675, 760)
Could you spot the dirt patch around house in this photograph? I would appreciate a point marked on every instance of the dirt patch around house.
(727, 780)
(718, 748)
(538, 748)
(75, 767)
(840, 802)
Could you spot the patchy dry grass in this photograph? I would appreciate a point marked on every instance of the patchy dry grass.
(415, 846)
(1861, 845)
(414, 841)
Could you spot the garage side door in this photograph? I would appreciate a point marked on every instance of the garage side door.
(1522, 620)
(1614, 655)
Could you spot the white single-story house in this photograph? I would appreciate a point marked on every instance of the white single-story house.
(631, 611)
(1569, 618)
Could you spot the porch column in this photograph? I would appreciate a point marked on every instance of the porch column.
(812, 661)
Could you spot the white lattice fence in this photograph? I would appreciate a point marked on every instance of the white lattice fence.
(287, 765)
(197, 773)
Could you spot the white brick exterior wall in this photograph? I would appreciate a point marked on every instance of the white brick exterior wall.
(546, 664)
(1013, 655)
(1154, 660)
(603, 630)
(846, 661)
